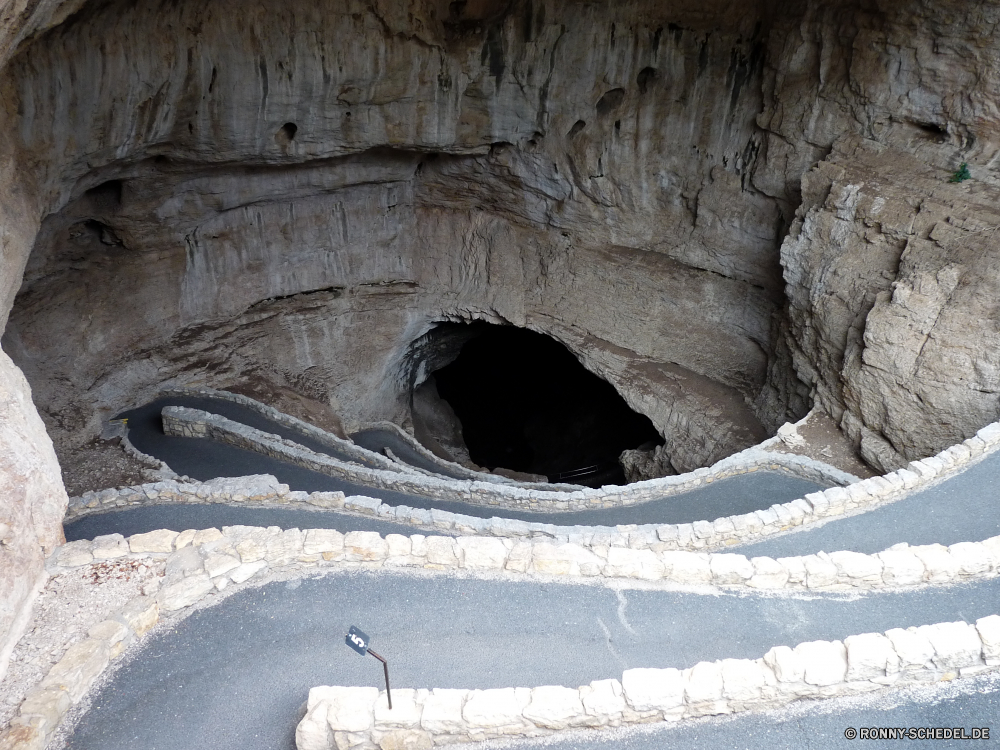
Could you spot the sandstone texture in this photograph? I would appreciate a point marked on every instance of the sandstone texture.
(730, 211)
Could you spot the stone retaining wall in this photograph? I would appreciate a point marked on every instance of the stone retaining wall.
(199, 564)
(342, 718)
(185, 422)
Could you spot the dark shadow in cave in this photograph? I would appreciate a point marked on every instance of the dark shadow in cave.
(527, 404)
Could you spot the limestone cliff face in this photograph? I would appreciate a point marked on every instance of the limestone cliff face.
(726, 209)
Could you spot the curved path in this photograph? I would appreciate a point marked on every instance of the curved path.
(237, 672)
(206, 459)
(377, 440)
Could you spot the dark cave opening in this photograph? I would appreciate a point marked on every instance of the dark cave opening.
(526, 404)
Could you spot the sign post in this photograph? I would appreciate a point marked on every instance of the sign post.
(359, 642)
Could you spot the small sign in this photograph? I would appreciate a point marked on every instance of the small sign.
(357, 640)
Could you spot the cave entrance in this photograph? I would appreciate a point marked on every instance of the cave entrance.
(526, 404)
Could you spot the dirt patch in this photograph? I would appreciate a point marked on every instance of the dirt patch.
(825, 442)
(98, 465)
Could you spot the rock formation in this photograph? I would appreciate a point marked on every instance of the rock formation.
(727, 210)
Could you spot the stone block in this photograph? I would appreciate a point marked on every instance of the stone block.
(405, 739)
(989, 633)
(689, 568)
(217, 565)
(75, 554)
(519, 559)
(956, 644)
(111, 632)
(633, 563)
(285, 547)
(901, 568)
(110, 546)
(204, 536)
(555, 707)
(441, 553)
(730, 569)
(365, 546)
(44, 709)
(246, 571)
(140, 614)
(405, 712)
(704, 683)
(184, 592)
(497, 708)
(787, 665)
(914, 649)
(796, 568)
(870, 656)
(350, 709)
(825, 662)
(820, 572)
(603, 699)
(653, 689)
(161, 540)
(78, 668)
(767, 574)
(972, 558)
(318, 541)
(313, 732)
(442, 712)
(744, 680)
(940, 566)
(856, 567)
(481, 553)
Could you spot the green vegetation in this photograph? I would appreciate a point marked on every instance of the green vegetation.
(961, 174)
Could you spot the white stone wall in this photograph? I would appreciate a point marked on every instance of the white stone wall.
(359, 717)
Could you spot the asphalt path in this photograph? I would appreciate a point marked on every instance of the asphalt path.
(139, 520)
(377, 440)
(234, 675)
(207, 459)
(964, 508)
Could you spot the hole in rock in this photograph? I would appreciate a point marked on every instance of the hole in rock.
(645, 78)
(105, 198)
(577, 127)
(526, 404)
(286, 134)
(610, 101)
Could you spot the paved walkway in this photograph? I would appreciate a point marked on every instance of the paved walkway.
(237, 672)
(206, 459)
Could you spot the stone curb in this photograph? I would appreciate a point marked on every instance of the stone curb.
(898, 567)
(200, 563)
(358, 718)
(471, 474)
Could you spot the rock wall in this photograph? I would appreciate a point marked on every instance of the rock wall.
(290, 195)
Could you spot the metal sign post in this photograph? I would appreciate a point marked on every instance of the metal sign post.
(359, 642)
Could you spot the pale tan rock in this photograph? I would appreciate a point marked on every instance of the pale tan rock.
(496, 708)
(914, 649)
(481, 553)
(901, 567)
(78, 668)
(604, 699)
(730, 569)
(858, 567)
(989, 633)
(654, 689)
(203, 536)
(442, 712)
(744, 680)
(217, 565)
(767, 574)
(318, 541)
(556, 707)
(703, 691)
(405, 711)
(161, 540)
(246, 571)
(441, 552)
(870, 656)
(686, 567)
(44, 708)
(787, 665)
(405, 739)
(350, 709)
(75, 554)
(109, 547)
(185, 592)
(956, 644)
(141, 614)
(825, 662)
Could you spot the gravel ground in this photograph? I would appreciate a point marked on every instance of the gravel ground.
(98, 465)
(69, 605)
